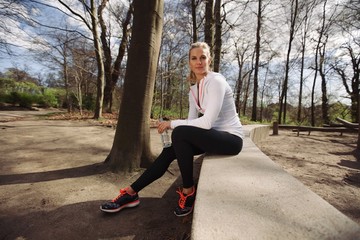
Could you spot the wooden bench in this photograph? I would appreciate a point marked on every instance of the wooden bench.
(248, 196)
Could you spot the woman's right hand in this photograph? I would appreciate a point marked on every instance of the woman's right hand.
(162, 126)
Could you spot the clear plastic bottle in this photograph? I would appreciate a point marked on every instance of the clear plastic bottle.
(165, 138)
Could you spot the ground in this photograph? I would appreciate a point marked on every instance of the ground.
(327, 163)
(52, 180)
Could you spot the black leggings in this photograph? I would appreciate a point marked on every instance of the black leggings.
(188, 141)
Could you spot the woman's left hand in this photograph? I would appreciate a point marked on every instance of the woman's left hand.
(162, 126)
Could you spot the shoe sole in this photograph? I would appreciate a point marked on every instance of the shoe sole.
(185, 214)
(129, 205)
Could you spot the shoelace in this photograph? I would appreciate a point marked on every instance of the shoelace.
(122, 193)
(182, 199)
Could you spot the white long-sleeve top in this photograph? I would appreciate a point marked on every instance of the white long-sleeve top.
(216, 103)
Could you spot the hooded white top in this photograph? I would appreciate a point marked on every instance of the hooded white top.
(216, 102)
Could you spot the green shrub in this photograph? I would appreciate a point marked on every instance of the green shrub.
(26, 100)
(50, 98)
(89, 102)
(13, 98)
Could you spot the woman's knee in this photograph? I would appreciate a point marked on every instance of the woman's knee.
(181, 132)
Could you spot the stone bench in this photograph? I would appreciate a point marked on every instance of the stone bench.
(248, 196)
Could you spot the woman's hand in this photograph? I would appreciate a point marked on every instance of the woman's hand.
(162, 126)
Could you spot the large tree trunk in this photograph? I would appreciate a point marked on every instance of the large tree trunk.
(131, 146)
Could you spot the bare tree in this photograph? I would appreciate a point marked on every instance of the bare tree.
(327, 20)
(307, 13)
(112, 70)
(257, 58)
(99, 58)
(217, 36)
(194, 6)
(349, 73)
(209, 24)
(93, 11)
(293, 28)
(131, 146)
(242, 56)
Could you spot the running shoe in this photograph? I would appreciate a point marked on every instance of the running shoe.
(124, 200)
(186, 204)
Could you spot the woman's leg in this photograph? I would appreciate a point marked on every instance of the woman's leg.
(189, 141)
(128, 196)
(156, 169)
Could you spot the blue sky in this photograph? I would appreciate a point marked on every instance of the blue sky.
(22, 35)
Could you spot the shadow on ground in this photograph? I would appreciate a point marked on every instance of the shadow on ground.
(153, 219)
(52, 182)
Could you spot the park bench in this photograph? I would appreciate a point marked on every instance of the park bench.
(248, 196)
(342, 127)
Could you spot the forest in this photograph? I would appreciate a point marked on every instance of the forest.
(291, 61)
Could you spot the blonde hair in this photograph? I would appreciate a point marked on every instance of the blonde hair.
(192, 78)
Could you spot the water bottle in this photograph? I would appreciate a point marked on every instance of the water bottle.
(165, 137)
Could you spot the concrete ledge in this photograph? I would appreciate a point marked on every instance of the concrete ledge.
(248, 196)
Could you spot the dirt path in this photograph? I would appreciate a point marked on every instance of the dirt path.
(324, 162)
(52, 183)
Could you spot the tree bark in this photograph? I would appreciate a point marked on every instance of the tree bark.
(194, 21)
(131, 146)
(209, 25)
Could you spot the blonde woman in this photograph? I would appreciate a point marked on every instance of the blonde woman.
(213, 126)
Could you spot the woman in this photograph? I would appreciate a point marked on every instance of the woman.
(213, 126)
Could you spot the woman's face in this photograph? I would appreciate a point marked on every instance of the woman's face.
(199, 61)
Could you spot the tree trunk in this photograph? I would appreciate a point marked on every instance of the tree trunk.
(239, 82)
(303, 49)
(283, 97)
(209, 25)
(324, 98)
(317, 50)
(131, 146)
(218, 33)
(194, 22)
(257, 57)
(248, 83)
(100, 62)
(107, 52)
(115, 69)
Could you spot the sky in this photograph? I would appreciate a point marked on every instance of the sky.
(23, 35)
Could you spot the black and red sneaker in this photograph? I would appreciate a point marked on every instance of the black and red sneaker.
(124, 200)
(186, 204)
